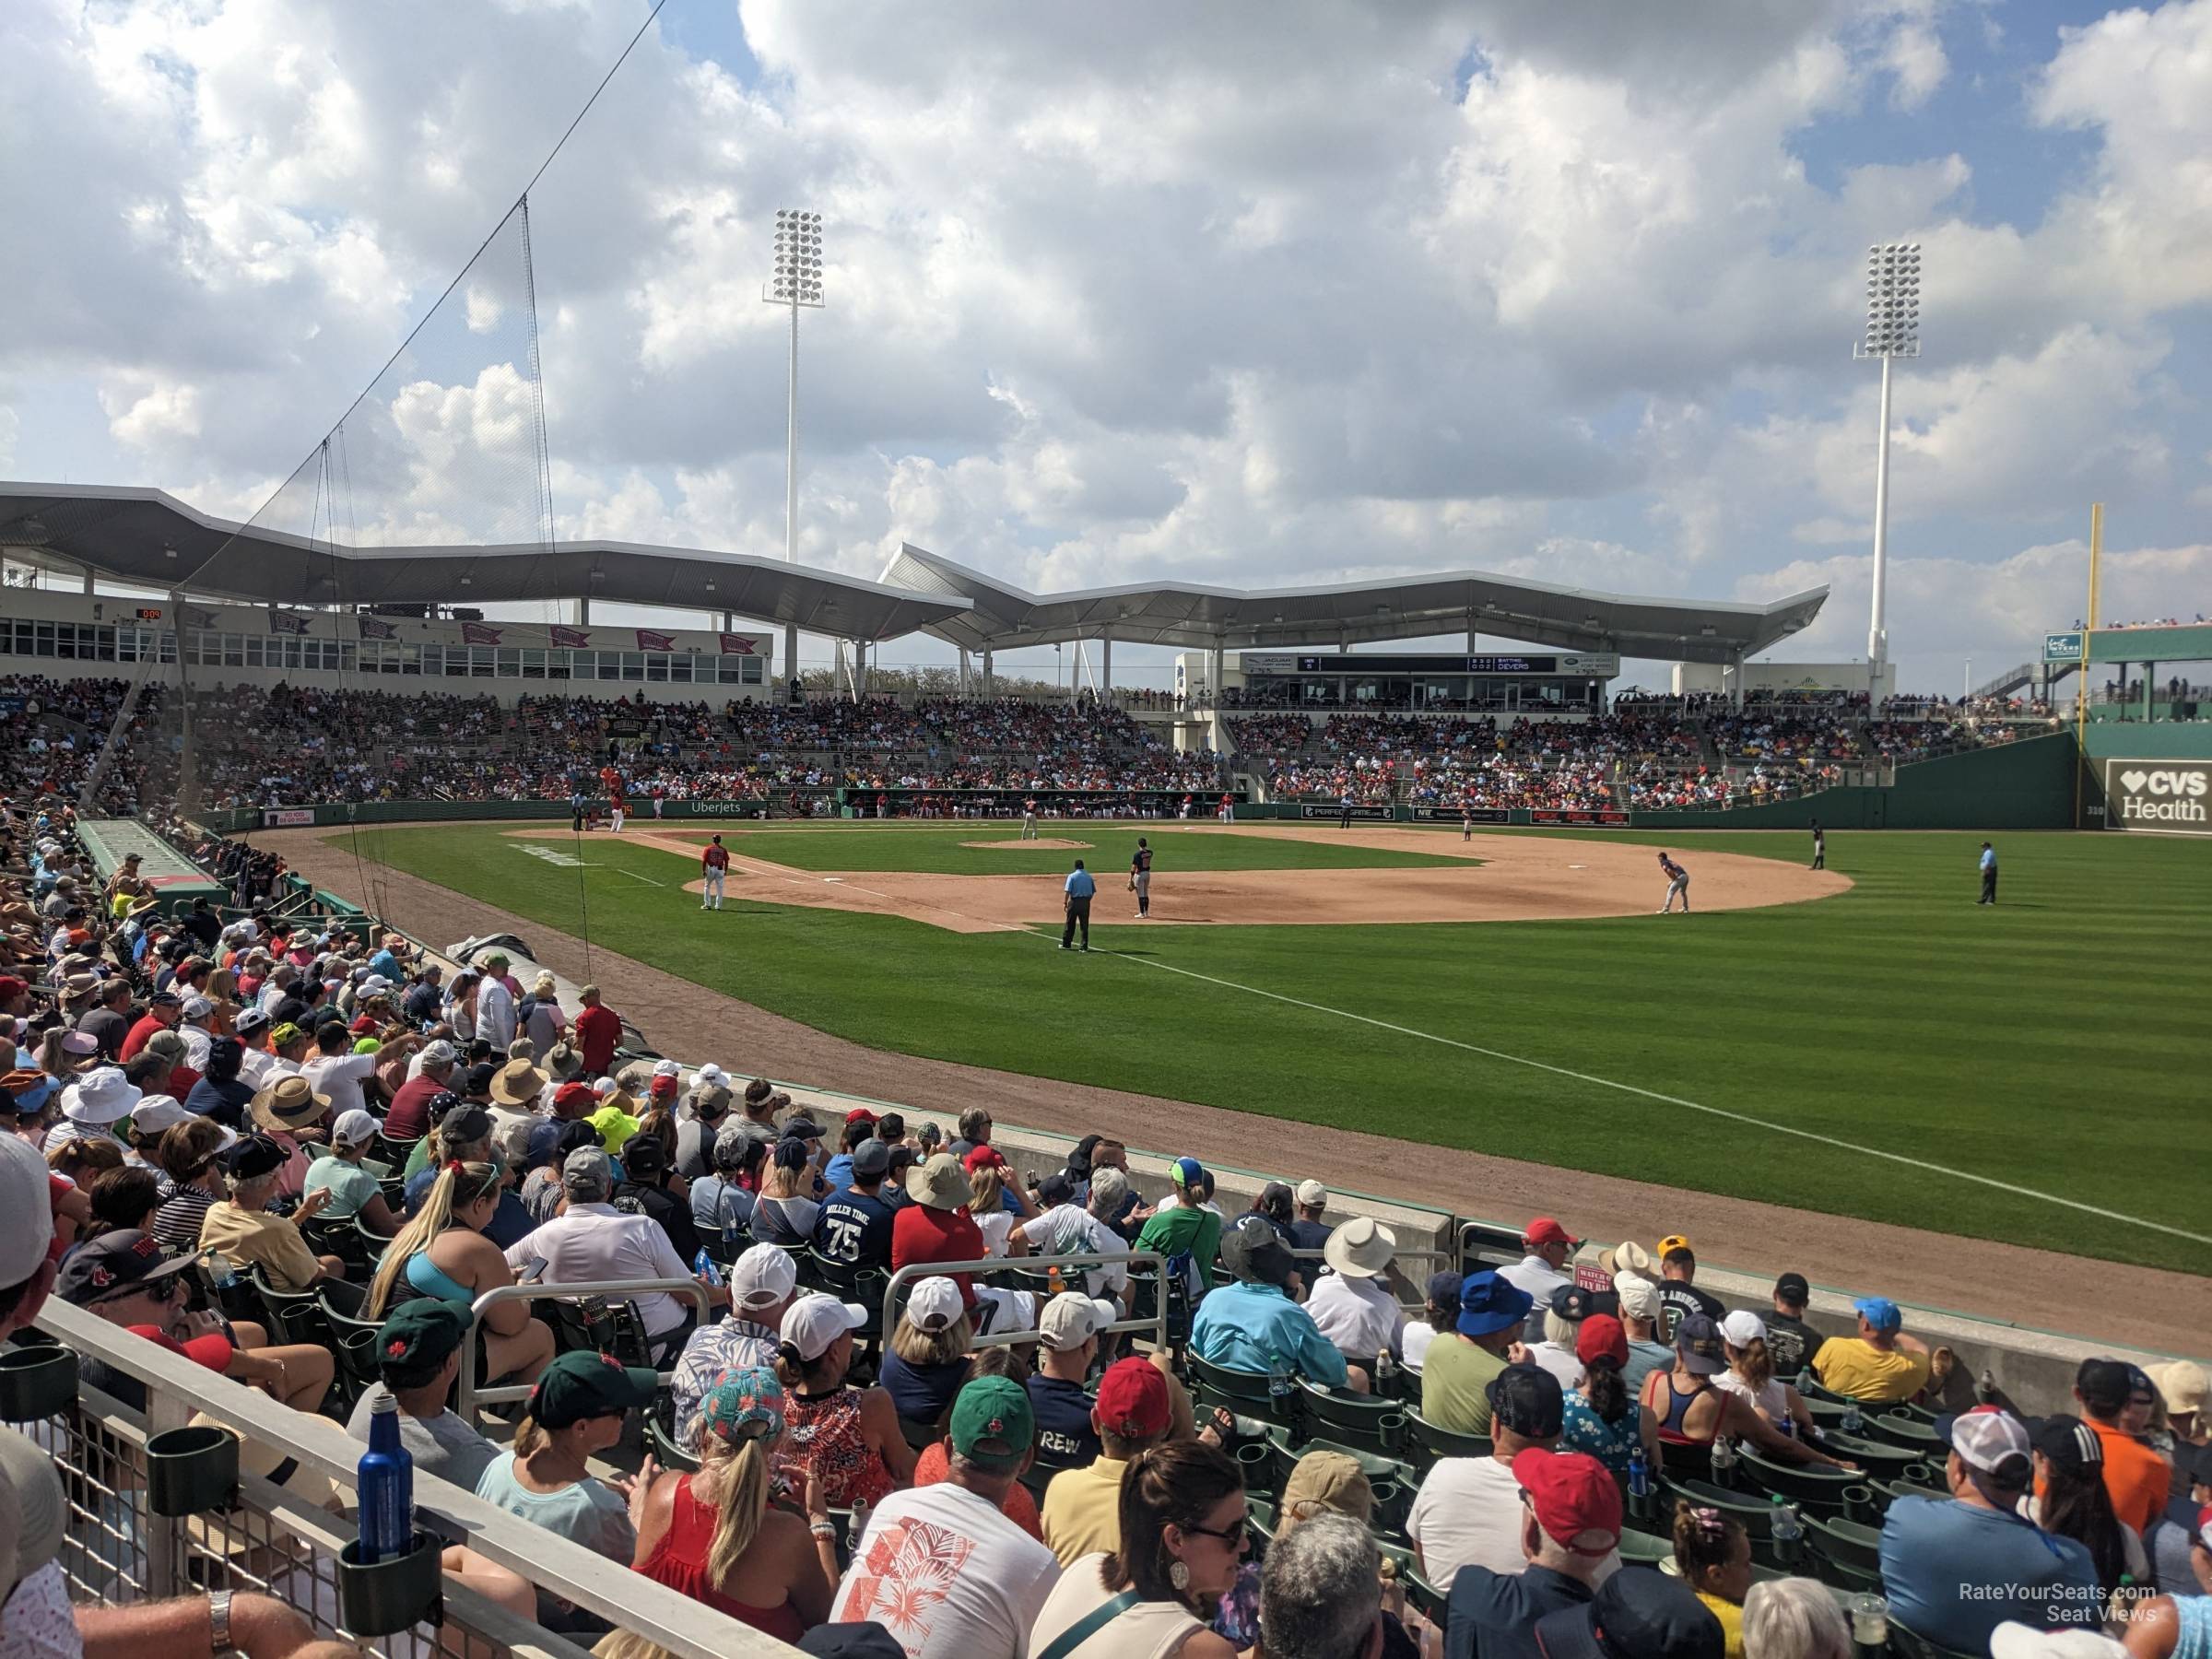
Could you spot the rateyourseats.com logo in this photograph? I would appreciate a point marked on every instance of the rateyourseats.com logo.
(2165, 794)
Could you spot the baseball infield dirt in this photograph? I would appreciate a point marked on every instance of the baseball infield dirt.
(2108, 1301)
(1507, 879)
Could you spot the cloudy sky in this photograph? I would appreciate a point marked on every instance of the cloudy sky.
(1247, 293)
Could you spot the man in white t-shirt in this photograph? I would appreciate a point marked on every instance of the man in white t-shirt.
(495, 1003)
(941, 1567)
(1468, 1511)
(335, 1071)
(1065, 1228)
(1353, 1306)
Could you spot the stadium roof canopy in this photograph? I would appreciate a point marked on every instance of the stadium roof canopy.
(146, 538)
(1000, 616)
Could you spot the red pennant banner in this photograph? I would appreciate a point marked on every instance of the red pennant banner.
(740, 645)
(650, 641)
(574, 639)
(476, 633)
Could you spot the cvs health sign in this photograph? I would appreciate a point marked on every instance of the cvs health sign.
(2171, 797)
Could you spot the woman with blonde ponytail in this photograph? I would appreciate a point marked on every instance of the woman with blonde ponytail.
(443, 1252)
(1751, 1374)
(713, 1535)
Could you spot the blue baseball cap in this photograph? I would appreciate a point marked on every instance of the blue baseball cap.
(1189, 1172)
(1880, 1313)
(1489, 1303)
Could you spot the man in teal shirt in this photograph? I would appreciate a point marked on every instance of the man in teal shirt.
(1253, 1326)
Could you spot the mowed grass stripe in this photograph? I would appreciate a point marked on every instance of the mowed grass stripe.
(2047, 1042)
(940, 849)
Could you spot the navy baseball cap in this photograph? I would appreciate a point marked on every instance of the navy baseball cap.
(1639, 1613)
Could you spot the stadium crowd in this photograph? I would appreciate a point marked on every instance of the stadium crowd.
(199, 1113)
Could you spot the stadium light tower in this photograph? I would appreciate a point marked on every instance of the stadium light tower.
(795, 281)
(1892, 331)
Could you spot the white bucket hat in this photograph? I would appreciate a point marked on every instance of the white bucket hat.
(1361, 1248)
(100, 1097)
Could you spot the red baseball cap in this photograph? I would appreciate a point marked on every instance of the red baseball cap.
(10, 986)
(1545, 1230)
(663, 1087)
(982, 1157)
(860, 1114)
(1575, 1497)
(1132, 1400)
(578, 1096)
(1600, 1337)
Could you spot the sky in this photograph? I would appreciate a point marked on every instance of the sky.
(1251, 294)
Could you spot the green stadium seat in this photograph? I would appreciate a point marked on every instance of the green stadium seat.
(1441, 1443)
(1646, 1547)
(1754, 1512)
(1354, 1420)
(1846, 1554)
(1817, 1489)
(1900, 1429)
(1246, 1394)
(664, 1447)
(1426, 1597)
(353, 1339)
(1876, 1459)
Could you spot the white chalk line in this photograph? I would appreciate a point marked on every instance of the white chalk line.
(1649, 1094)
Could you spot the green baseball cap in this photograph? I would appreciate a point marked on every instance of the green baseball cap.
(993, 1425)
(581, 1385)
(420, 1334)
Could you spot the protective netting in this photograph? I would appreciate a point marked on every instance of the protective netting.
(445, 449)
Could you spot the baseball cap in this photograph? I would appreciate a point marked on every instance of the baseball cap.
(464, 1125)
(799, 1126)
(745, 1405)
(582, 1385)
(587, 1170)
(643, 1156)
(1639, 1613)
(575, 1097)
(28, 1241)
(1489, 1303)
(156, 1112)
(982, 1157)
(1133, 1399)
(1072, 1319)
(1444, 1291)
(109, 1264)
(1545, 1230)
(2067, 1440)
(993, 1423)
(199, 1007)
(764, 1275)
(355, 1127)
(1791, 1287)
(1311, 1193)
(2102, 1383)
(251, 1158)
(1744, 1327)
(871, 1160)
(859, 1114)
(1571, 1302)
(815, 1321)
(1601, 1336)
(1698, 1342)
(1639, 1297)
(1576, 1500)
(29, 1087)
(1189, 1172)
(1527, 1399)
(1056, 1189)
(245, 1025)
(1989, 1439)
(1880, 1313)
(936, 1304)
(285, 1034)
(420, 1334)
(1671, 1242)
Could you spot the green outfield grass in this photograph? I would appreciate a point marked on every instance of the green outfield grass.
(2059, 1041)
(939, 850)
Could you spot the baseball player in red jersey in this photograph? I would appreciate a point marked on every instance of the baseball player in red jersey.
(714, 865)
(1028, 819)
(1228, 810)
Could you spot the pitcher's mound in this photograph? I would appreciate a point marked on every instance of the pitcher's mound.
(1044, 844)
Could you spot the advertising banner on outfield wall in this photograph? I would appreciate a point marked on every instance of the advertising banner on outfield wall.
(278, 818)
(1450, 814)
(1606, 815)
(1364, 814)
(2158, 797)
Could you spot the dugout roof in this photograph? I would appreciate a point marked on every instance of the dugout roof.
(1001, 617)
(147, 538)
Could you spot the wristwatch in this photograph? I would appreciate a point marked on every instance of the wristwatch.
(218, 1622)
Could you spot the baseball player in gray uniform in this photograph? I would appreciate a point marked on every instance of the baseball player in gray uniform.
(1677, 882)
(1140, 877)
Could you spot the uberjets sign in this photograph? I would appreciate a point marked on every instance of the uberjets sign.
(2168, 797)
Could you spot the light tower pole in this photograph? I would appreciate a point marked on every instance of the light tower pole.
(1892, 331)
(795, 280)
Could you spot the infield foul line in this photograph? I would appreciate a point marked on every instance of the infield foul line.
(1653, 1094)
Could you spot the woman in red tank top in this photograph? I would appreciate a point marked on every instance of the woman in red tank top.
(712, 1536)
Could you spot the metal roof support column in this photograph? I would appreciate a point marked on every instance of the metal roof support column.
(990, 680)
(1106, 667)
(791, 654)
(583, 610)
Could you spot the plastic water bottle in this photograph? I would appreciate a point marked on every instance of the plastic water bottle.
(1640, 1475)
(858, 1525)
(704, 1265)
(385, 1481)
(1386, 1374)
(220, 1271)
(1853, 1423)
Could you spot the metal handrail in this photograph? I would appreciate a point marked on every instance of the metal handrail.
(177, 1386)
(916, 1271)
(469, 1396)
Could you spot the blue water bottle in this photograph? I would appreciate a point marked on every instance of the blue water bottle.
(704, 1265)
(385, 1481)
(1640, 1475)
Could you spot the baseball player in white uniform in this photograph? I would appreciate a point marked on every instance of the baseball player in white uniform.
(1028, 819)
